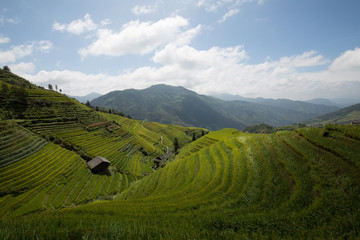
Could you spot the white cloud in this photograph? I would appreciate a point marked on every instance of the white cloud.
(14, 20)
(140, 37)
(80, 26)
(21, 51)
(43, 46)
(211, 5)
(188, 58)
(348, 61)
(140, 10)
(229, 7)
(22, 68)
(16, 52)
(4, 39)
(307, 59)
(230, 13)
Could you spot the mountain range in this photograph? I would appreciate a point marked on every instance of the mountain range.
(336, 102)
(180, 106)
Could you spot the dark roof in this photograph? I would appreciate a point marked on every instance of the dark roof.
(162, 157)
(96, 161)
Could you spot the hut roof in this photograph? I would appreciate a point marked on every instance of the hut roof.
(96, 161)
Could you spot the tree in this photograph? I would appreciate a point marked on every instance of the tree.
(56, 88)
(4, 88)
(60, 90)
(193, 137)
(88, 103)
(50, 87)
(19, 93)
(6, 69)
(202, 133)
(176, 145)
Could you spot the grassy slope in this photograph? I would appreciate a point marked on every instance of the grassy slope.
(300, 184)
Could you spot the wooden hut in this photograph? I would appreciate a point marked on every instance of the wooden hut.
(98, 164)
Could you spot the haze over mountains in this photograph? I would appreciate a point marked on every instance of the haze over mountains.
(341, 116)
(177, 105)
(87, 97)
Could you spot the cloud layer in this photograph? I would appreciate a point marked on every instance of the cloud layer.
(219, 70)
(18, 52)
(140, 38)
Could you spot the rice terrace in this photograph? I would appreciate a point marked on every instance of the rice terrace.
(225, 184)
(172, 120)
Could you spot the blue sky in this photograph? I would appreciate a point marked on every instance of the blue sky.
(296, 49)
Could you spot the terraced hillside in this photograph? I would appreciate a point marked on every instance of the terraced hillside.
(226, 185)
(46, 139)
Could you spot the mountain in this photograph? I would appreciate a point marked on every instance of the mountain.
(345, 102)
(337, 102)
(323, 101)
(316, 106)
(88, 97)
(177, 105)
(344, 115)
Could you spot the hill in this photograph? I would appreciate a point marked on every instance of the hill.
(177, 105)
(47, 138)
(344, 115)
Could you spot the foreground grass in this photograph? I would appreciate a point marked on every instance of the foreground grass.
(227, 185)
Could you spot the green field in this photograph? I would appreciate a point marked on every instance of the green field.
(301, 184)
(227, 184)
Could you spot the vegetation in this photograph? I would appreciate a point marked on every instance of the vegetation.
(300, 184)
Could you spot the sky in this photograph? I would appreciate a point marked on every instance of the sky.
(295, 49)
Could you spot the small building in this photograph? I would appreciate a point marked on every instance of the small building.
(98, 164)
(159, 160)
